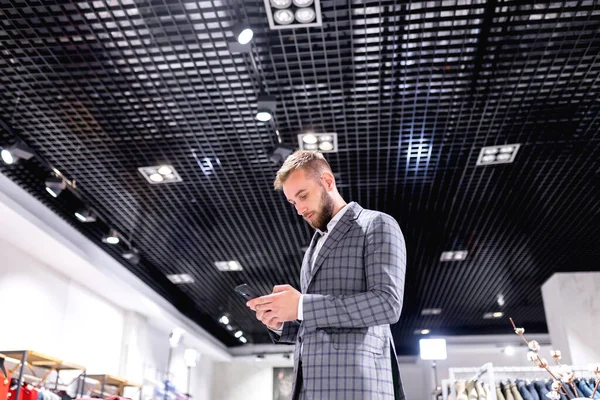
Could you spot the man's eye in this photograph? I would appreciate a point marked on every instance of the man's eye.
(303, 197)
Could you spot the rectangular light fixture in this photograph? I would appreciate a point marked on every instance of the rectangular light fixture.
(460, 255)
(433, 349)
(180, 279)
(227, 266)
(322, 142)
(422, 331)
(431, 311)
(291, 14)
(160, 174)
(502, 154)
(493, 315)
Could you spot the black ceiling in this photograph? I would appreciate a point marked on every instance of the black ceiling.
(100, 88)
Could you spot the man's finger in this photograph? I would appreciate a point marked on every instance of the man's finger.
(281, 288)
(259, 300)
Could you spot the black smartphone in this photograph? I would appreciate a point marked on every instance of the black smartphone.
(247, 292)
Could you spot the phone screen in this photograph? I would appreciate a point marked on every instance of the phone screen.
(247, 292)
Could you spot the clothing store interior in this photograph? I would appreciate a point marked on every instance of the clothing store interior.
(140, 142)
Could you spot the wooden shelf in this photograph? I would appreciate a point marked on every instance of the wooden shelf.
(37, 359)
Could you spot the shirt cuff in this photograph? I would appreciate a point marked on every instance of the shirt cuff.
(278, 332)
(300, 308)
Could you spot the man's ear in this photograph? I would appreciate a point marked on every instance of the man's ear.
(328, 180)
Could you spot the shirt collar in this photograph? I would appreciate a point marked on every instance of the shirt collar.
(335, 219)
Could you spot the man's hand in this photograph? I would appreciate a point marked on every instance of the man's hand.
(278, 307)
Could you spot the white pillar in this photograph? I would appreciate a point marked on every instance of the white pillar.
(131, 366)
(572, 306)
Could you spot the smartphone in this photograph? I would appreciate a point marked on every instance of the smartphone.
(247, 292)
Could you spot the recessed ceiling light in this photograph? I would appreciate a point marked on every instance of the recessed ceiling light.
(305, 15)
(459, 255)
(501, 300)
(498, 314)
(309, 138)
(431, 311)
(243, 339)
(238, 334)
(501, 154)
(180, 279)
(303, 3)
(227, 266)
(422, 332)
(224, 320)
(491, 315)
(326, 142)
(160, 174)
(283, 17)
(165, 170)
(281, 4)
(245, 36)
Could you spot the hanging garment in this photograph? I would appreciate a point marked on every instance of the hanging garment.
(499, 394)
(461, 390)
(525, 394)
(507, 393)
(533, 391)
(471, 391)
(515, 392)
(540, 386)
(488, 392)
(25, 394)
(4, 385)
(583, 388)
(481, 394)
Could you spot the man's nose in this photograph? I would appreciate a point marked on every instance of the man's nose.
(300, 210)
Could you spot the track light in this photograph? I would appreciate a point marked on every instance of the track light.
(132, 255)
(243, 33)
(112, 237)
(266, 106)
(54, 186)
(17, 151)
(279, 154)
(84, 214)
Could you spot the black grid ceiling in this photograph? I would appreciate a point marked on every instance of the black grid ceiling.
(413, 89)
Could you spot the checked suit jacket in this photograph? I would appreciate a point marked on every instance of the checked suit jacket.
(351, 296)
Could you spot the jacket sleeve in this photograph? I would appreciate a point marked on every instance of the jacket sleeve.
(385, 268)
(288, 336)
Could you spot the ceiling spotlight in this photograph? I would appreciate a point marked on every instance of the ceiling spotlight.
(425, 331)
(243, 339)
(238, 334)
(501, 154)
(326, 146)
(112, 237)
(165, 170)
(311, 147)
(454, 255)
(54, 186)
(283, 17)
(156, 178)
(7, 157)
(264, 115)
(175, 337)
(132, 256)
(266, 106)
(281, 3)
(498, 314)
(303, 3)
(243, 33)
(224, 320)
(13, 153)
(309, 138)
(501, 300)
(305, 15)
(509, 350)
(84, 214)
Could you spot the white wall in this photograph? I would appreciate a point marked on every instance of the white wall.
(53, 314)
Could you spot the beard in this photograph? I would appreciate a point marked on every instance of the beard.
(323, 217)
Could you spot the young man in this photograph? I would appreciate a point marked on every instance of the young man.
(352, 286)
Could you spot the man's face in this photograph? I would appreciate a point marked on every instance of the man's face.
(310, 197)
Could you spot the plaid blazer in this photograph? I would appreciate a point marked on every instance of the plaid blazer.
(351, 296)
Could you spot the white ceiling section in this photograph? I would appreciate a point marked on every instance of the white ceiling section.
(31, 226)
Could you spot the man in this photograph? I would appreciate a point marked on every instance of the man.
(352, 282)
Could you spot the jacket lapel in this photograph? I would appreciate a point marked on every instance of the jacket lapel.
(334, 237)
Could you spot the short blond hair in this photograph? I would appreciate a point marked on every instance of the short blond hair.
(312, 162)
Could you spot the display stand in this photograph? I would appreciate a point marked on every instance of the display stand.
(112, 381)
(32, 358)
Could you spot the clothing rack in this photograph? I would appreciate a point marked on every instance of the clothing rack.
(494, 375)
(476, 373)
(113, 381)
(30, 358)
